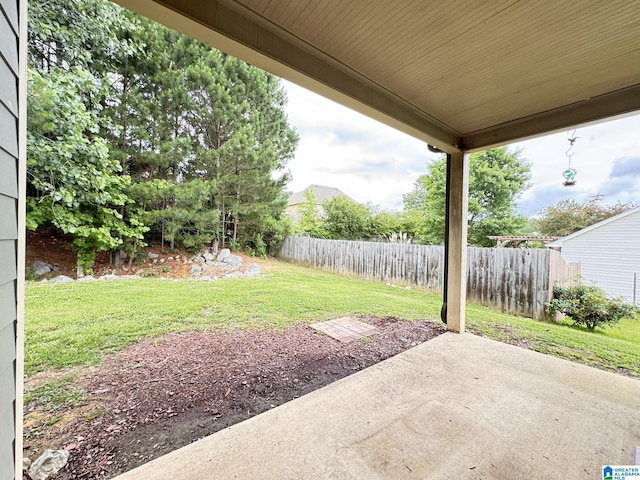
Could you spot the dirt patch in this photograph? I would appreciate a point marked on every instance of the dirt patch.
(161, 394)
(53, 247)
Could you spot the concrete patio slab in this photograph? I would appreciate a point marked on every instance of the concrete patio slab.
(458, 406)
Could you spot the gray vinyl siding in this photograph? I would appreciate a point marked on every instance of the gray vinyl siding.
(609, 255)
(8, 174)
(10, 8)
(9, 54)
(9, 90)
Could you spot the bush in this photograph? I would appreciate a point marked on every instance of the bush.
(588, 305)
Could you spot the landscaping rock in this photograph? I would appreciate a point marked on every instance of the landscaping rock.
(235, 274)
(61, 279)
(88, 278)
(110, 276)
(49, 463)
(119, 258)
(198, 259)
(195, 270)
(208, 257)
(42, 271)
(41, 268)
(224, 253)
(153, 255)
(39, 264)
(252, 271)
(233, 260)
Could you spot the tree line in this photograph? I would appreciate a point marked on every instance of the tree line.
(136, 131)
(497, 179)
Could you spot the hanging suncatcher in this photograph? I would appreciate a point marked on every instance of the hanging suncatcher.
(570, 173)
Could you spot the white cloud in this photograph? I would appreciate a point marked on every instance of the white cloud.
(596, 151)
(344, 149)
(372, 162)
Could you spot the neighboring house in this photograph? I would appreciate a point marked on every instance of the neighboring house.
(609, 253)
(320, 192)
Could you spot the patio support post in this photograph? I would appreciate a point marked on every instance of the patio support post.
(455, 288)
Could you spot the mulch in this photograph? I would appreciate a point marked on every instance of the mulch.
(161, 394)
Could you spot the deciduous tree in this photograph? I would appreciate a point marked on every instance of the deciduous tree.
(311, 222)
(73, 183)
(347, 220)
(497, 178)
(568, 216)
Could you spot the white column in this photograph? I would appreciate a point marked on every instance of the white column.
(456, 252)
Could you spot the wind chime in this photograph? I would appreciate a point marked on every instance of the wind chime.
(570, 173)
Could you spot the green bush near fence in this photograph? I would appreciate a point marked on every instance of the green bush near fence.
(589, 306)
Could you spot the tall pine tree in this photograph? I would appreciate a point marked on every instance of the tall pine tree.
(198, 139)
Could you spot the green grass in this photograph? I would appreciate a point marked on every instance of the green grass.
(615, 348)
(77, 324)
(55, 395)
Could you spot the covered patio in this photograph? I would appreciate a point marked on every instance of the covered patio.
(463, 76)
(457, 406)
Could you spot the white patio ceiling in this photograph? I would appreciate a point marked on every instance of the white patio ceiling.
(459, 74)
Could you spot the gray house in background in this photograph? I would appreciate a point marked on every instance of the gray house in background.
(320, 192)
(609, 254)
(12, 122)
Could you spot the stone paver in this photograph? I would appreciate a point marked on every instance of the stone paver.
(345, 329)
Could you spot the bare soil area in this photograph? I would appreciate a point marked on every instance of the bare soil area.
(52, 246)
(164, 393)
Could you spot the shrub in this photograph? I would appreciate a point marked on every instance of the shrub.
(588, 305)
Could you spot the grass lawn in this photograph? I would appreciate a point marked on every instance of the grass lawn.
(615, 348)
(77, 323)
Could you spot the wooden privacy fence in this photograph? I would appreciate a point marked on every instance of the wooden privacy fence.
(512, 280)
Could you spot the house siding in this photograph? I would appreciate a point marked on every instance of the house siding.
(609, 255)
(9, 127)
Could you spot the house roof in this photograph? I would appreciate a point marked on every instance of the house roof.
(559, 242)
(460, 74)
(321, 193)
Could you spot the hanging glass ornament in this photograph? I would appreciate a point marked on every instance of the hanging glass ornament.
(570, 173)
(569, 177)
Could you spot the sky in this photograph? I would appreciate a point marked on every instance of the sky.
(374, 163)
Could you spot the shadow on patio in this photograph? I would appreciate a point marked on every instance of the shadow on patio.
(458, 406)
